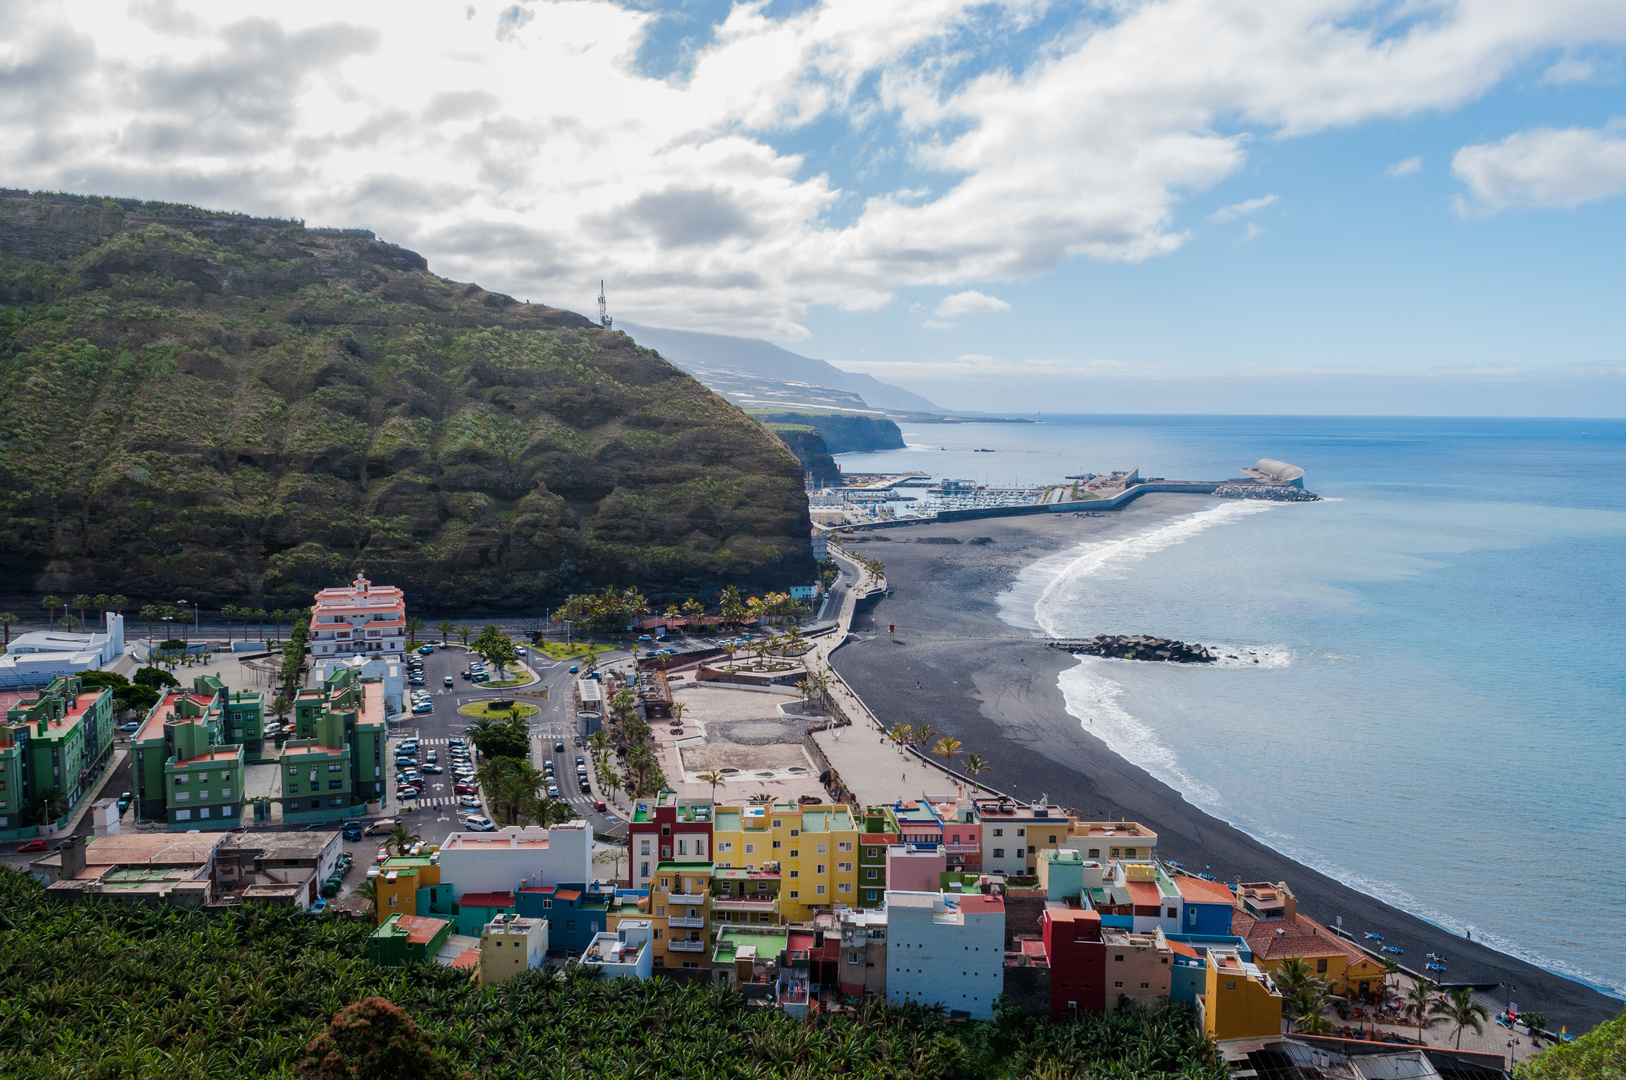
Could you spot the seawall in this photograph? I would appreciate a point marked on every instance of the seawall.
(1116, 502)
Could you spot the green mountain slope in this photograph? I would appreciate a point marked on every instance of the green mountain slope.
(217, 408)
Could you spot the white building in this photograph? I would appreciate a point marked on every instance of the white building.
(388, 670)
(821, 544)
(43, 655)
(947, 950)
(625, 954)
(510, 945)
(1013, 834)
(504, 860)
(358, 618)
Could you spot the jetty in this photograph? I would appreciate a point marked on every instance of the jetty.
(1136, 647)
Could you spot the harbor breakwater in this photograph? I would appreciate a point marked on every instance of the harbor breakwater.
(1137, 647)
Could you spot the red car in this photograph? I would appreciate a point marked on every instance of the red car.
(465, 789)
(31, 845)
(599, 805)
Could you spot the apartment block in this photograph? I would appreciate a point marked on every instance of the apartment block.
(512, 857)
(1239, 1000)
(863, 952)
(815, 849)
(1113, 840)
(945, 950)
(625, 953)
(740, 896)
(333, 767)
(60, 740)
(680, 913)
(1013, 834)
(879, 832)
(1138, 967)
(1077, 958)
(186, 772)
(668, 829)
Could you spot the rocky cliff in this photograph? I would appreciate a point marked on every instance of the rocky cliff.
(230, 409)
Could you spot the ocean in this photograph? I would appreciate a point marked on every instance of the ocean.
(1425, 690)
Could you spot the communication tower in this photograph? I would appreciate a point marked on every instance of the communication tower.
(604, 319)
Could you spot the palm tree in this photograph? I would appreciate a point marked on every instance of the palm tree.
(83, 601)
(923, 737)
(1537, 1024)
(463, 633)
(1306, 1008)
(900, 734)
(975, 766)
(50, 804)
(445, 626)
(118, 602)
(280, 616)
(151, 613)
(761, 798)
(102, 602)
(413, 625)
(401, 838)
(229, 612)
(260, 615)
(50, 604)
(1417, 1001)
(1458, 1007)
(1293, 975)
(545, 810)
(712, 777)
(947, 748)
(678, 709)
(7, 621)
(368, 891)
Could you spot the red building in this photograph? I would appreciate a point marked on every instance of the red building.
(1078, 961)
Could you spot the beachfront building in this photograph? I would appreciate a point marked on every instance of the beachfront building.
(509, 946)
(1239, 1001)
(1267, 918)
(1205, 906)
(915, 867)
(1104, 840)
(624, 953)
(57, 740)
(1013, 833)
(504, 860)
(945, 950)
(1061, 873)
(1139, 896)
(815, 847)
(358, 619)
(962, 833)
(333, 765)
(879, 832)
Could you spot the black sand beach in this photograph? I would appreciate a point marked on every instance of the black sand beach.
(993, 687)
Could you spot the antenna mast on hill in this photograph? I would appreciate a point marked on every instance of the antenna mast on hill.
(604, 319)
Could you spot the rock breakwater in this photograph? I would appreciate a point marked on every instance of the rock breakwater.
(1138, 647)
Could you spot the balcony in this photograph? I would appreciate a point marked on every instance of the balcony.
(695, 922)
(744, 903)
(679, 899)
(686, 946)
(961, 849)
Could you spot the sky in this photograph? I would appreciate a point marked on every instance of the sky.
(1303, 206)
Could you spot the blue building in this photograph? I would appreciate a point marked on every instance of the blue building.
(1206, 906)
(1189, 975)
(576, 913)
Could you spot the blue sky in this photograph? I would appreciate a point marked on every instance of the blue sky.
(1179, 205)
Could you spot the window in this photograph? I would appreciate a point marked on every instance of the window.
(999, 832)
(643, 869)
(660, 911)
(334, 785)
(844, 868)
(1118, 985)
(1118, 959)
(776, 844)
(339, 767)
(1021, 832)
(750, 849)
(643, 847)
(822, 849)
(852, 958)
(1230, 986)
(336, 802)
(794, 833)
(794, 894)
(1030, 849)
(203, 813)
(182, 778)
(871, 875)
(182, 796)
(777, 823)
(726, 845)
(1321, 967)
(683, 847)
(872, 853)
(1145, 986)
(845, 845)
(1129, 852)
(183, 815)
(666, 883)
(869, 894)
(392, 901)
(819, 890)
(845, 886)
(795, 873)
(203, 796)
(999, 853)
(1095, 853)
(796, 853)
(1174, 913)
(821, 868)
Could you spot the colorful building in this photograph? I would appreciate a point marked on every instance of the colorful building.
(504, 860)
(1267, 917)
(880, 831)
(915, 867)
(624, 953)
(680, 913)
(359, 618)
(1239, 1001)
(1061, 873)
(1077, 958)
(1013, 833)
(740, 896)
(667, 829)
(187, 772)
(509, 946)
(575, 911)
(59, 739)
(1205, 906)
(863, 952)
(412, 885)
(401, 940)
(814, 848)
(943, 950)
(333, 767)
(1138, 967)
(1113, 840)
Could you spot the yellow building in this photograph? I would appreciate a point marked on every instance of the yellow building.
(814, 849)
(1239, 1001)
(410, 885)
(510, 945)
(680, 914)
(1267, 918)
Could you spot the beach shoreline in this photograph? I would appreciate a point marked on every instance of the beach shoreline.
(956, 664)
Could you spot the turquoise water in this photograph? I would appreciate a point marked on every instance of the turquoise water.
(1437, 713)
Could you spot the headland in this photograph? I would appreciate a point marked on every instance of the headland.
(953, 663)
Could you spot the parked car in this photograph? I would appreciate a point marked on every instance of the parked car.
(425, 650)
(580, 760)
(432, 769)
(454, 741)
(468, 800)
(586, 788)
(480, 823)
(318, 906)
(374, 871)
(480, 676)
(383, 853)
(461, 788)
(31, 845)
(423, 707)
(131, 728)
(351, 832)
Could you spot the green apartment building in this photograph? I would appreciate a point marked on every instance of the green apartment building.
(334, 766)
(61, 739)
(880, 829)
(187, 773)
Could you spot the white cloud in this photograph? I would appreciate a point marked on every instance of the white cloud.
(938, 324)
(1241, 209)
(522, 148)
(1543, 167)
(970, 302)
(1405, 167)
(1571, 69)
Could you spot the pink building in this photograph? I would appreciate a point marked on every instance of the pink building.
(359, 618)
(911, 868)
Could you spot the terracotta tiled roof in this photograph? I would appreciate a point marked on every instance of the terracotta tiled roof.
(977, 904)
(487, 899)
(568, 894)
(1281, 939)
(421, 930)
(467, 959)
(1198, 891)
(1144, 894)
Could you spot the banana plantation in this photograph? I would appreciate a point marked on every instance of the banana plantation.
(105, 990)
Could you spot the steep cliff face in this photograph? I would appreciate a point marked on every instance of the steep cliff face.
(807, 444)
(229, 410)
(843, 433)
